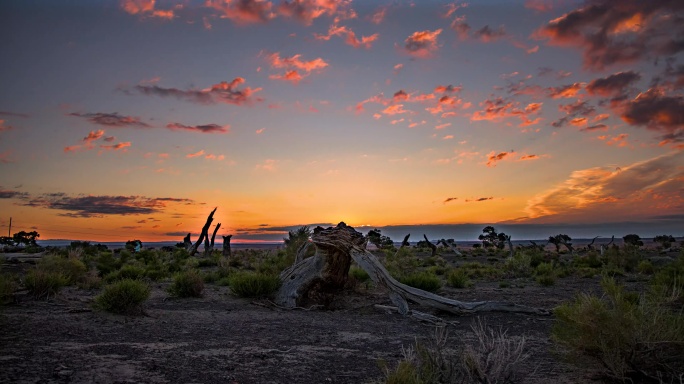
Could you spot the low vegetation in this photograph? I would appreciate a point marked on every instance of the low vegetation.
(187, 284)
(124, 297)
(253, 284)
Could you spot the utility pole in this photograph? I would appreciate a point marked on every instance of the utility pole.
(9, 231)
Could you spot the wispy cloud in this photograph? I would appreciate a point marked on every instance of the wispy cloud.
(243, 11)
(146, 8)
(206, 128)
(99, 206)
(223, 92)
(349, 36)
(112, 119)
(645, 188)
(296, 69)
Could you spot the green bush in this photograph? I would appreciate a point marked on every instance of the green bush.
(123, 297)
(106, 263)
(631, 340)
(457, 278)
(359, 274)
(546, 280)
(41, 283)
(645, 267)
(253, 284)
(422, 280)
(187, 284)
(72, 269)
(132, 272)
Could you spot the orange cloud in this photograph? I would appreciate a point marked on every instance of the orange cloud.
(116, 147)
(292, 76)
(207, 128)
(422, 43)
(565, 91)
(379, 16)
(540, 5)
(442, 126)
(493, 158)
(395, 110)
(94, 135)
(307, 11)
(145, 8)
(498, 109)
(71, 148)
(196, 154)
(349, 36)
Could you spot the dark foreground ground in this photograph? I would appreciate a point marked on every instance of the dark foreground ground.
(223, 339)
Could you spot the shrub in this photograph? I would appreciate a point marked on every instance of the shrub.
(106, 263)
(546, 280)
(645, 267)
(457, 278)
(359, 274)
(132, 272)
(41, 283)
(187, 284)
(422, 280)
(252, 284)
(72, 269)
(123, 297)
(7, 288)
(632, 340)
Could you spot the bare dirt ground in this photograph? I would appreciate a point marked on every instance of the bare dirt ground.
(223, 339)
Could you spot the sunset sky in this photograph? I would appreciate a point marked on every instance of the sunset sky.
(135, 118)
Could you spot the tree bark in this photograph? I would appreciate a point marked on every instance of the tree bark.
(204, 234)
(187, 242)
(226, 246)
(315, 280)
(432, 246)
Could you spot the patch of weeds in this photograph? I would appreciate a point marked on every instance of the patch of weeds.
(422, 280)
(457, 278)
(74, 270)
(90, 281)
(41, 283)
(106, 263)
(504, 284)
(253, 284)
(545, 274)
(123, 297)
(477, 270)
(587, 272)
(8, 285)
(223, 281)
(632, 340)
(132, 272)
(187, 284)
(645, 267)
(520, 265)
(590, 260)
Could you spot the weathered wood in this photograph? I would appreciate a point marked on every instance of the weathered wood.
(204, 234)
(511, 251)
(405, 242)
(432, 246)
(209, 245)
(226, 246)
(316, 279)
(187, 243)
(301, 252)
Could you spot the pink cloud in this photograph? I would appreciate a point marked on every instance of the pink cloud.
(146, 8)
(196, 154)
(349, 37)
(119, 146)
(223, 92)
(395, 110)
(422, 43)
(243, 11)
(207, 128)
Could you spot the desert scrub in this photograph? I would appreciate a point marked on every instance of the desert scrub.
(123, 297)
(41, 283)
(520, 265)
(126, 272)
(422, 280)
(253, 284)
(631, 339)
(494, 357)
(73, 269)
(645, 267)
(545, 274)
(187, 284)
(402, 262)
(7, 288)
(457, 278)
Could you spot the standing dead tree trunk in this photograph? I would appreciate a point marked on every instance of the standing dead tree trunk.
(405, 242)
(187, 243)
(226, 246)
(209, 245)
(204, 234)
(603, 248)
(432, 246)
(511, 251)
(316, 279)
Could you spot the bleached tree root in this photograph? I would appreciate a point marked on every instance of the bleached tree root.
(315, 280)
(401, 293)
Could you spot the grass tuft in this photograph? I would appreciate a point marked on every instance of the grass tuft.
(253, 284)
(124, 297)
(187, 284)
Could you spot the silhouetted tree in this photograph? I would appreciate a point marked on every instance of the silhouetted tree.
(633, 240)
(561, 239)
(664, 240)
(381, 241)
(26, 238)
(490, 238)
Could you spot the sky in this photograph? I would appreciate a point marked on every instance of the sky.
(133, 119)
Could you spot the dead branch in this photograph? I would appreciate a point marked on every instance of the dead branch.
(204, 234)
(432, 246)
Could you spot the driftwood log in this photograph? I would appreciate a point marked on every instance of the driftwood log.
(451, 245)
(209, 245)
(204, 234)
(316, 280)
(432, 246)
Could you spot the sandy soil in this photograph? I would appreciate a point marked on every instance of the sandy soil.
(223, 339)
